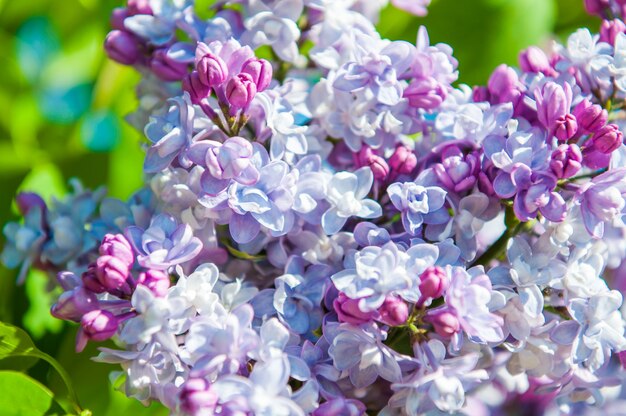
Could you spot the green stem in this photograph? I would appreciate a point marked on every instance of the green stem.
(64, 376)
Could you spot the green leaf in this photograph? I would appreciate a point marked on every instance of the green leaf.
(21, 395)
(14, 342)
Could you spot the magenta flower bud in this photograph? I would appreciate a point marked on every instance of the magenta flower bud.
(196, 397)
(565, 127)
(166, 68)
(553, 103)
(622, 359)
(597, 7)
(607, 139)
(260, 70)
(433, 283)
(139, 7)
(91, 281)
(394, 311)
(122, 47)
(610, 29)
(113, 274)
(348, 310)
(590, 117)
(403, 160)
(240, 91)
(212, 70)
(480, 94)
(97, 325)
(425, 93)
(73, 304)
(157, 281)
(444, 322)
(378, 165)
(117, 245)
(504, 86)
(117, 18)
(566, 161)
(535, 60)
(197, 89)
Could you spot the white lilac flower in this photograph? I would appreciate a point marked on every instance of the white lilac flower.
(346, 194)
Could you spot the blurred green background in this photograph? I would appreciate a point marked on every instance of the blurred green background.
(62, 108)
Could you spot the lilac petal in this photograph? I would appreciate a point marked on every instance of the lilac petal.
(370, 209)
(211, 185)
(331, 222)
(556, 209)
(503, 185)
(243, 228)
(365, 179)
(154, 162)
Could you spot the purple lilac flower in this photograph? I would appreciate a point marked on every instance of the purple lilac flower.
(164, 243)
(602, 200)
(418, 204)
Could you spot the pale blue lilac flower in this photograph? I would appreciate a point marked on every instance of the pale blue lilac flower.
(360, 351)
(346, 194)
(267, 203)
(468, 297)
(158, 27)
(171, 134)
(149, 369)
(602, 200)
(264, 392)
(375, 272)
(164, 243)
(287, 138)
(273, 23)
(24, 241)
(440, 383)
(418, 204)
(298, 295)
(597, 328)
(222, 346)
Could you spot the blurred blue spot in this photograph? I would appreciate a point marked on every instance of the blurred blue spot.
(36, 43)
(100, 131)
(65, 104)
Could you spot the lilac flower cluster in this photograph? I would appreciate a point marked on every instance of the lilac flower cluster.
(346, 230)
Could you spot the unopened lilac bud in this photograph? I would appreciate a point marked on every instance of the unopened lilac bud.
(260, 70)
(607, 139)
(504, 86)
(597, 7)
(97, 325)
(113, 275)
(122, 47)
(166, 68)
(117, 245)
(394, 311)
(197, 89)
(565, 127)
(445, 323)
(348, 310)
(433, 283)
(139, 7)
(590, 117)
(566, 161)
(378, 165)
(535, 60)
(403, 160)
(196, 397)
(425, 93)
(240, 91)
(212, 70)
(117, 17)
(610, 29)
(91, 281)
(73, 304)
(157, 281)
(480, 94)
